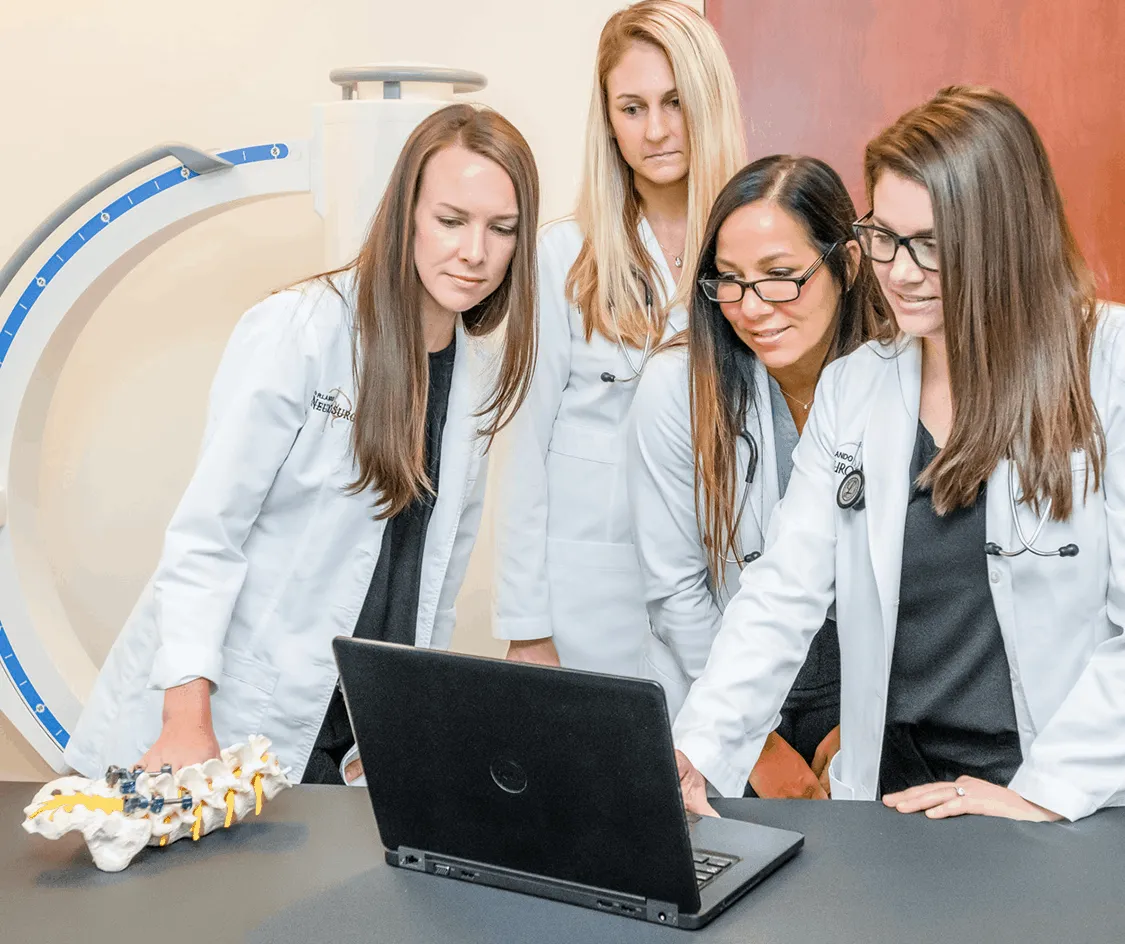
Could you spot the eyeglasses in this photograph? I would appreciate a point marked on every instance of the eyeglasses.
(729, 289)
(881, 245)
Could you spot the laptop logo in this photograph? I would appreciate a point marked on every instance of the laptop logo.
(508, 775)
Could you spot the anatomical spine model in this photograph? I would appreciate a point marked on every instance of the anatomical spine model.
(127, 810)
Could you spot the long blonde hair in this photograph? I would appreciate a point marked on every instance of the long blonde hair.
(604, 277)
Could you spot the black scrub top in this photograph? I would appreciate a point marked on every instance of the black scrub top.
(949, 702)
(390, 609)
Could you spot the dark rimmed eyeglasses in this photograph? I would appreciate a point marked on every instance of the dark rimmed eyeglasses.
(729, 289)
(880, 244)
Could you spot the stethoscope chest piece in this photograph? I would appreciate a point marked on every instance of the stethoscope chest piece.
(850, 492)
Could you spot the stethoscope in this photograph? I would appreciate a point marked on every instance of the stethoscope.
(646, 352)
(746, 486)
(850, 495)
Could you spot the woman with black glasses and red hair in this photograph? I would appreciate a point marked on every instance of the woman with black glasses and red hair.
(959, 495)
(781, 291)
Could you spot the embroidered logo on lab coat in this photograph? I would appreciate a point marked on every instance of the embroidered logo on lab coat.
(845, 458)
(335, 403)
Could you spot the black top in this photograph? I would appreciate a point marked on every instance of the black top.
(390, 609)
(949, 702)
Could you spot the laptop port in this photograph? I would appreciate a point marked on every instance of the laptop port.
(467, 875)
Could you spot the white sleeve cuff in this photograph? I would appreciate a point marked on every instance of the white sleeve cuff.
(1052, 793)
(175, 665)
(523, 628)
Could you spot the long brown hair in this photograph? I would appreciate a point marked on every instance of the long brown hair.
(612, 261)
(390, 365)
(721, 389)
(1019, 301)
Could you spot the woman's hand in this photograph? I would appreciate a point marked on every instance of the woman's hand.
(536, 651)
(187, 736)
(693, 787)
(968, 796)
(781, 773)
(825, 751)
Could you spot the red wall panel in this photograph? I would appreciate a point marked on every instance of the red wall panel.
(821, 77)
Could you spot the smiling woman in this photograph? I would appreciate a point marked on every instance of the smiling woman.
(307, 518)
(783, 291)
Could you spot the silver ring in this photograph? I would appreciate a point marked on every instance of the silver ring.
(960, 791)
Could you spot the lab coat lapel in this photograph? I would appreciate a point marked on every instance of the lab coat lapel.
(453, 474)
(887, 450)
(678, 316)
(765, 489)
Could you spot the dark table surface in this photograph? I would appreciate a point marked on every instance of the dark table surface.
(311, 869)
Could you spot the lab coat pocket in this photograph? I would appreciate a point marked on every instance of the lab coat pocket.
(840, 790)
(597, 606)
(245, 690)
(580, 442)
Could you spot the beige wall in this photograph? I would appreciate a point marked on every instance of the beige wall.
(85, 85)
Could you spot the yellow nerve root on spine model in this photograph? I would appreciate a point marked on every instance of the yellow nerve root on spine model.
(129, 809)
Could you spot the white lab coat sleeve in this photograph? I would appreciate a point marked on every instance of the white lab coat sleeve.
(660, 477)
(770, 622)
(259, 401)
(1077, 762)
(521, 599)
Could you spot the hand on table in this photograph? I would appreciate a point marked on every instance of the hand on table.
(968, 796)
(782, 773)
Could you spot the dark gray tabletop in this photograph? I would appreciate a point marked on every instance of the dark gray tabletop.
(311, 869)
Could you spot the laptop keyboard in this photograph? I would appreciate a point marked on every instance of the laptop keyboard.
(708, 865)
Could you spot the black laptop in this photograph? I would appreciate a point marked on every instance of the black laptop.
(551, 782)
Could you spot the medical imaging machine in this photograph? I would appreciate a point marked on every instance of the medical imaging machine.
(344, 164)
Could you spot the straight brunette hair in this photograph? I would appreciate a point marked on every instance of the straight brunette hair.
(390, 365)
(1018, 299)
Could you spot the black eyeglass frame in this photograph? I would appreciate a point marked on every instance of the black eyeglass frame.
(798, 283)
(860, 226)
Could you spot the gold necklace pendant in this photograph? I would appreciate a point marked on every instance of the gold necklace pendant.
(803, 406)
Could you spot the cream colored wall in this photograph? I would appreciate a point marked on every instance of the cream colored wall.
(84, 85)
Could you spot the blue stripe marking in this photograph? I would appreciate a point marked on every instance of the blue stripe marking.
(47, 721)
(119, 207)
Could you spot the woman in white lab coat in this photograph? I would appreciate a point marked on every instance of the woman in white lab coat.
(781, 292)
(959, 493)
(341, 477)
(662, 138)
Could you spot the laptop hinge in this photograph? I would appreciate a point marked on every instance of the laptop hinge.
(662, 912)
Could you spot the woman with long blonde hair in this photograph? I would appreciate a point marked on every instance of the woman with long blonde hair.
(663, 136)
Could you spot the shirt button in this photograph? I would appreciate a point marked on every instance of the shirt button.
(994, 576)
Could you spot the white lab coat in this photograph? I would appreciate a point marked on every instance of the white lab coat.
(685, 607)
(565, 562)
(1061, 618)
(267, 558)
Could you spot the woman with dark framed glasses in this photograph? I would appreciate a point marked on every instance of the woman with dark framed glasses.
(959, 496)
(782, 291)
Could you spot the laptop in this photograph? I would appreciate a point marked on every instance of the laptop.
(552, 782)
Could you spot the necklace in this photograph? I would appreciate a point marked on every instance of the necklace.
(803, 406)
(678, 257)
